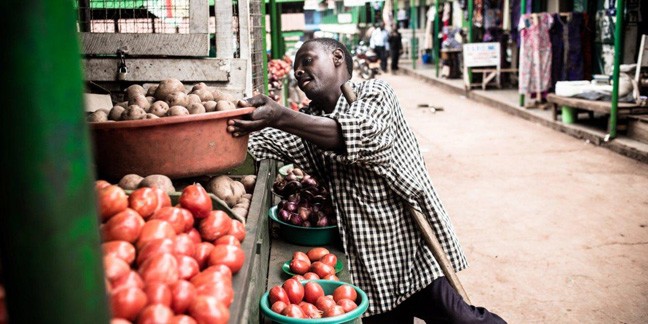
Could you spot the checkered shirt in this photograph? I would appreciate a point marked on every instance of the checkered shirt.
(371, 185)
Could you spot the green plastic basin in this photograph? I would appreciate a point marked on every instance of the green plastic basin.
(308, 236)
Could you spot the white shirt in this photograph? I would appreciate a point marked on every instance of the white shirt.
(378, 38)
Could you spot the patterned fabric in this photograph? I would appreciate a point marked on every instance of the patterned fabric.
(371, 185)
(535, 53)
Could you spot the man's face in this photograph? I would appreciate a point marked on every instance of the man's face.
(315, 71)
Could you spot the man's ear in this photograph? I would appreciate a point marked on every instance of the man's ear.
(338, 57)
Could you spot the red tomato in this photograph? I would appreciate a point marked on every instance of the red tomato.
(229, 255)
(213, 274)
(112, 321)
(187, 267)
(299, 266)
(127, 303)
(155, 229)
(311, 276)
(215, 225)
(115, 267)
(195, 235)
(294, 290)
(173, 215)
(155, 314)
(144, 201)
(345, 291)
(278, 307)
(161, 267)
(120, 249)
(124, 226)
(162, 197)
(228, 240)
(153, 247)
(293, 311)
(202, 253)
(324, 302)
(347, 304)
(207, 309)
(331, 277)
(183, 319)
(111, 200)
(277, 293)
(310, 311)
(298, 277)
(238, 230)
(188, 219)
(130, 280)
(196, 200)
(315, 254)
(158, 293)
(184, 245)
(329, 259)
(222, 291)
(322, 269)
(298, 255)
(334, 311)
(100, 184)
(182, 294)
(312, 291)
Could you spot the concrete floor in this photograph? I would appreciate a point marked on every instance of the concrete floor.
(555, 229)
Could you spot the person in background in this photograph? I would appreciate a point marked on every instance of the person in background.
(369, 159)
(395, 48)
(401, 16)
(378, 43)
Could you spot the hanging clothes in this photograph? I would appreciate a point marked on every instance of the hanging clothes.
(574, 51)
(535, 53)
(557, 36)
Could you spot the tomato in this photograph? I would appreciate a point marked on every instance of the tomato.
(315, 254)
(312, 291)
(112, 321)
(228, 240)
(202, 253)
(100, 184)
(324, 302)
(215, 225)
(162, 197)
(331, 277)
(330, 259)
(174, 216)
(298, 255)
(182, 294)
(183, 319)
(293, 311)
(184, 245)
(298, 277)
(124, 226)
(196, 200)
(153, 247)
(213, 274)
(144, 201)
(310, 311)
(155, 229)
(158, 293)
(188, 218)
(347, 304)
(334, 311)
(161, 267)
(277, 293)
(120, 249)
(111, 200)
(311, 276)
(229, 255)
(127, 303)
(238, 230)
(345, 291)
(155, 314)
(299, 266)
(278, 307)
(195, 235)
(322, 269)
(294, 290)
(207, 309)
(222, 291)
(115, 267)
(131, 280)
(187, 266)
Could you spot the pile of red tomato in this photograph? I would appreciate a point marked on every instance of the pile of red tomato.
(317, 263)
(168, 264)
(294, 299)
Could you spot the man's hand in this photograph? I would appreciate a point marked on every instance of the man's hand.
(266, 114)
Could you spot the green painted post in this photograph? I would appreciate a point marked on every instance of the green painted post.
(523, 5)
(435, 38)
(49, 231)
(414, 23)
(264, 32)
(618, 44)
(470, 34)
(275, 29)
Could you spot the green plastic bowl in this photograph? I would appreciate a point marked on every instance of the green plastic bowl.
(328, 286)
(308, 236)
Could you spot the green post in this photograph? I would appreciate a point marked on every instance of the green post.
(470, 34)
(435, 38)
(264, 32)
(618, 44)
(414, 23)
(49, 231)
(523, 5)
(275, 29)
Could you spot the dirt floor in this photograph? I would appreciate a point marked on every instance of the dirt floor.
(555, 229)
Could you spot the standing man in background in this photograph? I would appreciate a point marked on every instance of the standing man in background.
(378, 42)
(395, 48)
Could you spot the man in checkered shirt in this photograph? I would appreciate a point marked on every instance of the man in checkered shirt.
(368, 158)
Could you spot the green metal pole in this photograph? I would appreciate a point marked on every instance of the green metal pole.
(435, 38)
(275, 29)
(49, 231)
(470, 34)
(618, 43)
(264, 32)
(414, 23)
(523, 5)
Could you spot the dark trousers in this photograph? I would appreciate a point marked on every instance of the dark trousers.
(436, 303)
(382, 55)
(395, 55)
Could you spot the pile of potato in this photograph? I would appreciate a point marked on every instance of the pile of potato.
(168, 98)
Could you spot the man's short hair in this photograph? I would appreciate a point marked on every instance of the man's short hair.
(331, 45)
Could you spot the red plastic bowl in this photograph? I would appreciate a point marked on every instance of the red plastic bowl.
(178, 147)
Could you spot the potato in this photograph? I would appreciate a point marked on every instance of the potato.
(133, 112)
(123, 104)
(150, 99)
(226, 189)
(248, 182)
(140, 100)
(219, 95)
(158, 180)
(97, 116)
(167, 87)
(159, 108)
(177, 99)
(209, 105)
(177, 111)
(151, 116)
(116, 113)
(134, 90)
(199, 86)
(196, 108)
(193, 98)
(204, 94)
(223, 105)
(151, 90)
(241, 212)
(238, 189)
(130, 181)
